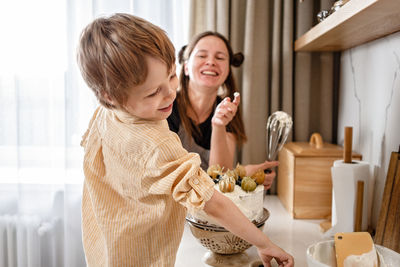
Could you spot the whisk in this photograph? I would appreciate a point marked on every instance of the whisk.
(279, 125)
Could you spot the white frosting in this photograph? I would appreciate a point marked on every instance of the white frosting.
(283, 117)
(368, 259)
(250, 203)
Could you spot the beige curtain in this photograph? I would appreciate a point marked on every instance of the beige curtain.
(316, 81)
(273, 77)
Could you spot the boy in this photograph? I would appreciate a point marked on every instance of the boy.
(138, 178)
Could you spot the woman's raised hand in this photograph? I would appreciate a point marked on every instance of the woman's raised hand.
(226, 110)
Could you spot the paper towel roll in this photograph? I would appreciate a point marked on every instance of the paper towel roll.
(344, 180)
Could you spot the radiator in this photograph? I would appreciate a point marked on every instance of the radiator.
(29, 241)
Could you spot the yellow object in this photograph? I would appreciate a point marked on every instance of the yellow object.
(227, 184)
(214, 170)
(240, 170)
(356, 247)
(248, 184)
(259, 176)
(231, 173)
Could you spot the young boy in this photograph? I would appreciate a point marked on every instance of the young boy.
(139, 181)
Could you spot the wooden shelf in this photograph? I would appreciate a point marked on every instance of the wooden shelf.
(355, 23)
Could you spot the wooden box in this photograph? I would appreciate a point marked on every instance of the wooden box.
(304, 177)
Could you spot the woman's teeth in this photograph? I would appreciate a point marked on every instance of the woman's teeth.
(212, 73)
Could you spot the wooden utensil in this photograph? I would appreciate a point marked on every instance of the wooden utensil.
(388, 230)
(348, 144)
(359, 206)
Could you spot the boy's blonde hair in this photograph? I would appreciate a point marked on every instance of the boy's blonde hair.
(112, 51)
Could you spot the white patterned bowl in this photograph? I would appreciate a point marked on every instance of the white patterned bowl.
(218, 239)
(322, 254)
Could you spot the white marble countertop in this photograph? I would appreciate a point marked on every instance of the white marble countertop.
(292, 235)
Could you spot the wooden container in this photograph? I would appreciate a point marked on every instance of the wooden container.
(304, 177)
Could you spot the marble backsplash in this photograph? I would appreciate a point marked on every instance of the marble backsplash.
(369, 101)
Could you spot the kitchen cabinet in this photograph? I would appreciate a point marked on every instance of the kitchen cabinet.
(355, 23)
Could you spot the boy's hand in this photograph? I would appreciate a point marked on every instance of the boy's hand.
(274, 252)
(225, 111)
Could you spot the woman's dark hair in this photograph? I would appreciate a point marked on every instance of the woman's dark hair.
(236, 125)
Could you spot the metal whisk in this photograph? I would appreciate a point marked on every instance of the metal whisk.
(279, 125)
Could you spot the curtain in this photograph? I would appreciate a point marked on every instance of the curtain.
(316, 81)
(45, 108)
(273, 77)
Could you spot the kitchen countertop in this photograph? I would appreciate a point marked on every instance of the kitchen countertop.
(293, 235)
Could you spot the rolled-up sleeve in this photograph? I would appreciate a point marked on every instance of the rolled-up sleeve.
(172, 170)
(202, 191)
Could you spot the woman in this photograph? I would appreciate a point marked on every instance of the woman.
(207, 123)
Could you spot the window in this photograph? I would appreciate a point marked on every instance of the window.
(45, 106)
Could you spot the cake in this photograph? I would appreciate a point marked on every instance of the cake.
(247, 192)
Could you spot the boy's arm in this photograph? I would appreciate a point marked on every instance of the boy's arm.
(229, 216)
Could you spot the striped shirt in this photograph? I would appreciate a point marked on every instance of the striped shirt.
(139, 182)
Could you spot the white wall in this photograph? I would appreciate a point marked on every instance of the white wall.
(370, 102)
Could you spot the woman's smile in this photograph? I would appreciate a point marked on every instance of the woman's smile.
(209, 73)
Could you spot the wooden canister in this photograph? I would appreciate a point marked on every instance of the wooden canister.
(304, 177)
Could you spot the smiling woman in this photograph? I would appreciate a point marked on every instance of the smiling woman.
(207, 62)
(207, 115)
(209, 65)
(45, 107)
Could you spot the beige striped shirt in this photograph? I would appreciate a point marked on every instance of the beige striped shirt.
(138, 181)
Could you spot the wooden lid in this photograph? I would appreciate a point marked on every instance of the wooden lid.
(316, 148)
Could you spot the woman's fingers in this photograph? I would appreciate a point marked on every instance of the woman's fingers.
(269, 179)
(226, 110)
(236, 99)
(269, 164)
(230, 106)
(221, 117)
